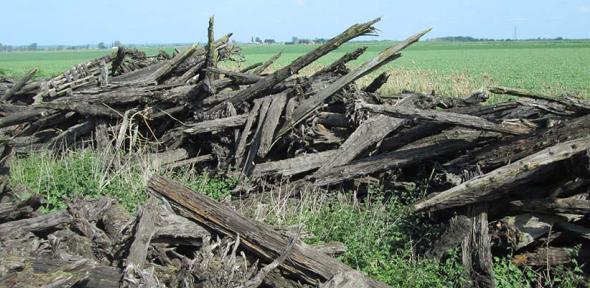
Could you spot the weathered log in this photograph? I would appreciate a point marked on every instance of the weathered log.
(255, 143)
(215, 125)
(523, 230)
(69, 136)
(211, 56)
(19, 85)
(238, 77)
(568, 101)
(21, 117)
(570, 205)
(146, 228)
(190, 161)
(544, 256)
(331, 248)
(86, 109)
(377, 83)
(486, 187)
(368, 133)
(36, 224)
(271, 122)
(52, 272)
(477, 254)
(242, 142)
(400, 158)
(458, 228)
(305, 262)
(19, 210)
(258, 70)
(333, 119)
(458, 119)
(310, 104)
(248, 68)
(293, 166)
(512, 149)
(350, 56)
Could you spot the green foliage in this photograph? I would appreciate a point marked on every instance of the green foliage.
(511, 276)
(217, 188)
(77, 174)
(381, 239)
(82, 174)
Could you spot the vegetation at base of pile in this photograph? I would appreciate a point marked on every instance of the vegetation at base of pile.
(448, 68)
(382, 237)
(83, 174)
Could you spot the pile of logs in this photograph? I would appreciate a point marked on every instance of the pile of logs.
(178, 238)
(510, 176)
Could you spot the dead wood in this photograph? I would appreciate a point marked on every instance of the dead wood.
(256, 89)
(458, 119)
(310, 104)
(305, 262)
(483, 188)
(477, 255)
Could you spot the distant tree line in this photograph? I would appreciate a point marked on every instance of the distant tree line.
(35, 47)
(472, 39)
(294, 40)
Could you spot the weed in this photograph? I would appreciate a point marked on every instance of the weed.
(83, 174)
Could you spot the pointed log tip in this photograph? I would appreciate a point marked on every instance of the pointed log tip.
(419, 35)
(374, 21)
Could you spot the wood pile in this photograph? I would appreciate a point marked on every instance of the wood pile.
(178, 238)
(510, 176)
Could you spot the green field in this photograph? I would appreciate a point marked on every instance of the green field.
(452, 68)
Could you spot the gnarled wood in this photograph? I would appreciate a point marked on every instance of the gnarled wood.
(307, 263)
(486, 187)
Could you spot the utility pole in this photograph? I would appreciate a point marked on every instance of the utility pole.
(515, 32)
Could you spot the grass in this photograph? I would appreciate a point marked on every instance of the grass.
(450, 68)
(382, 237)
(83, 174)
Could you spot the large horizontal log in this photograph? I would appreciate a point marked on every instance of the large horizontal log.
(570, 205)
(544, 256)
(486, 187)
(85, 109)
(509, 150)
(305, 262)
(458, 119)
(36, 224)
(21, 117)
(400, 158)
(293, 166)
(215, 125)
(568, 101)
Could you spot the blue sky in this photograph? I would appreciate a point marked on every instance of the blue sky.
(50, 22)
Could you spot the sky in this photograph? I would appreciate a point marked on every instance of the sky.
(76, 22)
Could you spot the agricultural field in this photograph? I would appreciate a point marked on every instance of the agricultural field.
(450, 68)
